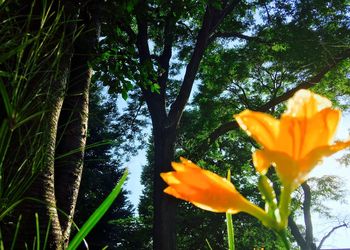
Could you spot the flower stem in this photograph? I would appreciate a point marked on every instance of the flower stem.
(230, 232)
(261, 215)
(284, 205)
(283, 236)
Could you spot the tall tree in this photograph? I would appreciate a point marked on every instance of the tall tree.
(156, 68)
(238, 44)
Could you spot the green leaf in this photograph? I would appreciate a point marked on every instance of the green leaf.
(155, 88)
(6, 99)
(97, 215)
(125, 94)
(279, 47)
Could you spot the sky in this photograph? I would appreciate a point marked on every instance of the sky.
(330, 166)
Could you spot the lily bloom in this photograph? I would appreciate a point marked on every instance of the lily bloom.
(296, 142)
(204, 189)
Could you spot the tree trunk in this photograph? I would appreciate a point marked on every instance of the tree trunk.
(305, 242)
(165, 206)
(309, 238)
(73, 121)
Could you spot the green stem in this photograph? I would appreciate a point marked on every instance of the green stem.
(283, 236)
(261, 215)
(284, 205)
(230, 232)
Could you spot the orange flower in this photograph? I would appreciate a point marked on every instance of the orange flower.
(298, 141)
(204, 189)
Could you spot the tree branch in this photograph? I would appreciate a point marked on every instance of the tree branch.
(329, 234)
(233, 34)
(155, 102)
(164, 58)
(308, 83)
(296, 232)
(232, 125)
(142, 34)
(177, 107)
(212, 18)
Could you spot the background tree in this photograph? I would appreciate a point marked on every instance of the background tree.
(248, 54)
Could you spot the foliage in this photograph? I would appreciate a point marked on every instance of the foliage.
(27, 57)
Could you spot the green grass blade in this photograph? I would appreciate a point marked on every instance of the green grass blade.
(47, 234)
(97, 215)
(208, 244)
(6, 99)
(9, 209)
(37, 231)
(1, 241)
(16, 233)
(230, 232)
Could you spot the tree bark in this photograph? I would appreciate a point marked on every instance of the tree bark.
(74, 119)
(305, 242)
(309, 238)
(165, 206)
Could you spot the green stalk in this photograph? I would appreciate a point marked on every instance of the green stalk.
(283, 236)
(261, 215)
(37, 231)
(230, 232)
(14, 240)
(285, 199)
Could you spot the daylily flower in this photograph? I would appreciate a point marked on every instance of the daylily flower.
(297, 142)
(204, 189)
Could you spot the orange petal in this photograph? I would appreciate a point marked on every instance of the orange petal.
(298, 136)
(261, 162)
(306, 104)
(188, 163)
(320, 130)
(316, 155)
(169, 178)
(195, 179)
(286, 167)
(203, 188)
(172, 191)
(262, 127)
